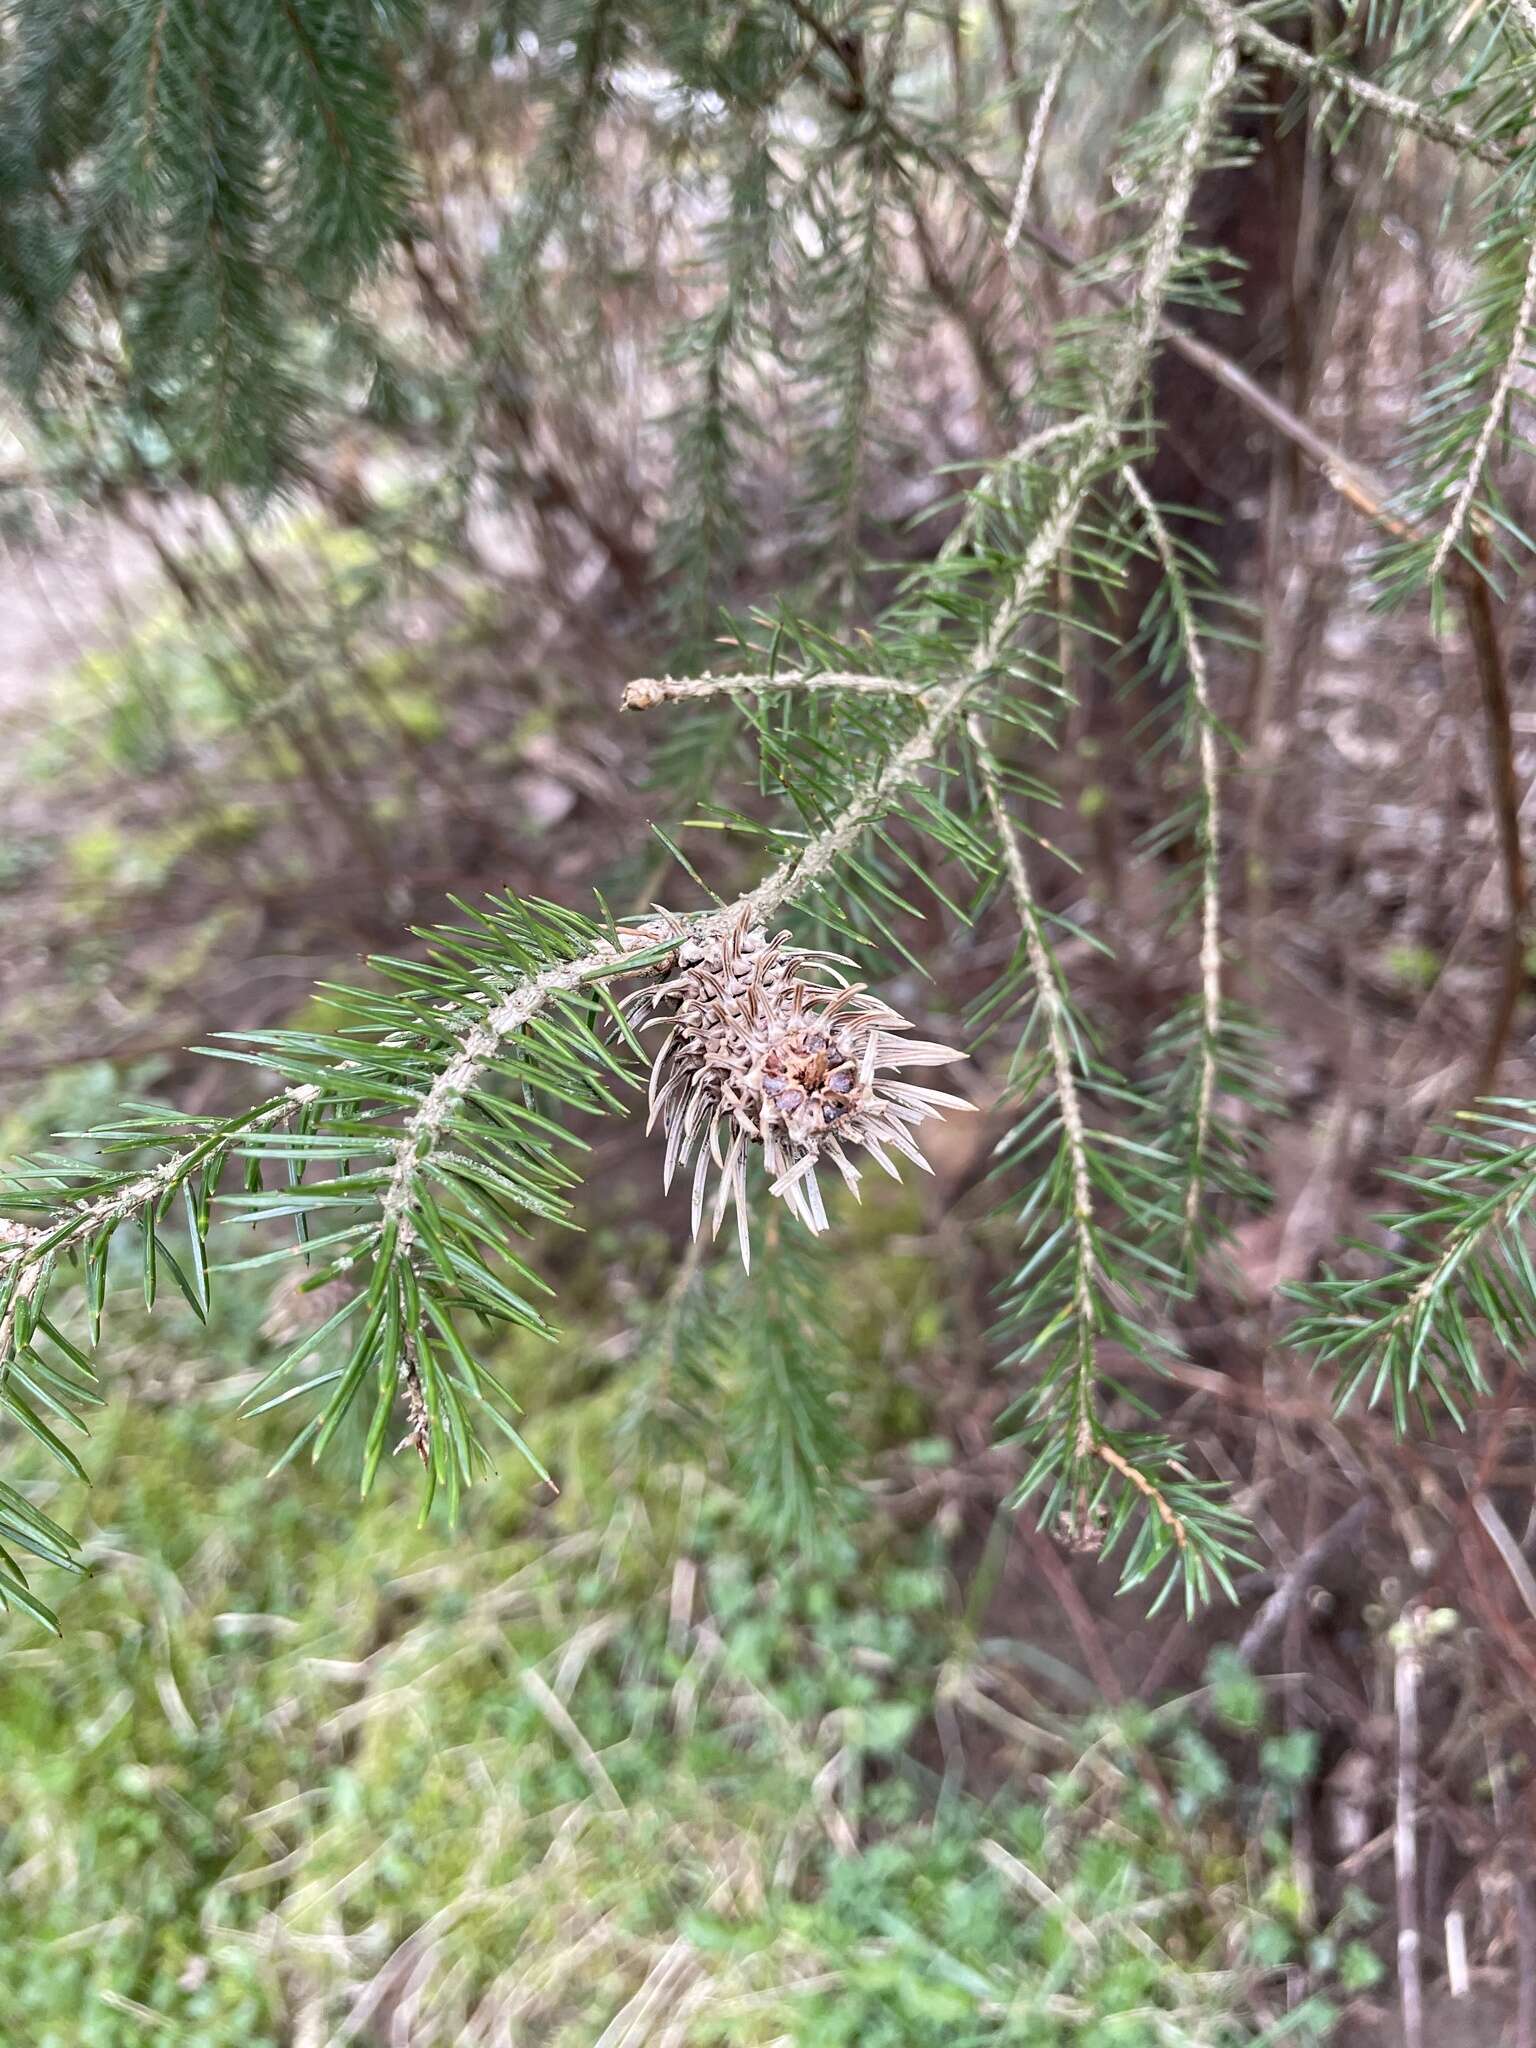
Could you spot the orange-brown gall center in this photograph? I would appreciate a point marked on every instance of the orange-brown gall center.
(810, 1079)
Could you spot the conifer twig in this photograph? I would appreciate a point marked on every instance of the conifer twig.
(1356, 485)
(1034, 143)
(24, 1245)
(1155, 1498)
(1392, 106)
(421, 1262)
(1088, 1276)
(1371, 497)
(800, 873)
(803, 871)
(645, 692)
(1047, 990)
(1210, 842)
(1456, 525)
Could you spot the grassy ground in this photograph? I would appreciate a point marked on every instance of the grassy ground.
(608, 1769)
(666, 1760)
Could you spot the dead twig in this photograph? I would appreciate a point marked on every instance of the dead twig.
(1295, 1582)
(1408, 1671)
(1493, 687)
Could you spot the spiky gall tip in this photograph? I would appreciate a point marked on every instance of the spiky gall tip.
(770, 1048)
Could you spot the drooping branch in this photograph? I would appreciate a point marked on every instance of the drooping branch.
(1049, 1001)
(1090, 1283)
(1371, 497)
(1210, 843)
(1504, 779)
(412, 1111)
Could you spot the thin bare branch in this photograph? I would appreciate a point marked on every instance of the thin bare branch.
(1503, 1541)
(1504, 778)
(1299, 1578)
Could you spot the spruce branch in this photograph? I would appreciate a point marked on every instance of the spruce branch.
(1210, 848)
(424, 1127)
(808, 868)
(1371, 497)
(42, 1371)
(804, 870)
(1397, 108)
(1073, 1171)
(644, 693)
(1455, 526)
(74, 1224)
(1051, 1003)
(409, 1164)
(1411, 1330)
(986, 494)
(1350, 480)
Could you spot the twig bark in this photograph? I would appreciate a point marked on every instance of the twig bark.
(1493, 688)
(646, 692)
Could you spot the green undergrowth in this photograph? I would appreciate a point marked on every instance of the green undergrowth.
(610, 1767)
(177, 687)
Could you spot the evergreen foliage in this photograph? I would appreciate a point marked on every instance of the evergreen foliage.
(196, 203)
(186, 186)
